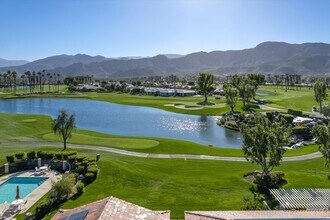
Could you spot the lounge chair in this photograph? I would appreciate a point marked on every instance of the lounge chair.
(37, 171)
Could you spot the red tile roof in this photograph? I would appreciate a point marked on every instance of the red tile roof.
(114, 208)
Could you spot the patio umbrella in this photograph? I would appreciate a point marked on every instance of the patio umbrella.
(17, 193)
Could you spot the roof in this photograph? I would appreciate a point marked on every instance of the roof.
(278, 215)
(309, 199)
(113, 208)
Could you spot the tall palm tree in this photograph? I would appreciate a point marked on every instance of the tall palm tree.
(33, 80)
(63, 125)
(48, 81)
(14, 76)
(58, 82)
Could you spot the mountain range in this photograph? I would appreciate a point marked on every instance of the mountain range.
(4, 63)
(267, 57)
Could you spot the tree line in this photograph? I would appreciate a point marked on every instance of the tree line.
(30, 81)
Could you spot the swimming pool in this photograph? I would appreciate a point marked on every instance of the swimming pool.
(26, 186)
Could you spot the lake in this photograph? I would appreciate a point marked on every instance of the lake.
(129, 120)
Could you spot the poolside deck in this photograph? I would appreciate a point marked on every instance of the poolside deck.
(36, 194)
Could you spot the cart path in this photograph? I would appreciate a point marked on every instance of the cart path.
(164, 156)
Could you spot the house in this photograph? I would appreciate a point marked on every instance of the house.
(262, 215)
(169, 92)
(111, 208)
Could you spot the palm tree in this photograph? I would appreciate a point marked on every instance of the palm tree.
(58, 82)
(14, 75)
(63, 125)
(48, 81)
(23, 82)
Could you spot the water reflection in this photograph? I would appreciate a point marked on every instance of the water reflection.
(130, 120)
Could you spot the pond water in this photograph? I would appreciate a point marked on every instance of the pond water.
(129, 120)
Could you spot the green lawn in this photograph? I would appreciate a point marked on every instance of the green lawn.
(179, 185)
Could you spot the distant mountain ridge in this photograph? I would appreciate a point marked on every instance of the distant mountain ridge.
(267, 57)
(6, 63)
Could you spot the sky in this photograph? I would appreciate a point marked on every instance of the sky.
(35, 29)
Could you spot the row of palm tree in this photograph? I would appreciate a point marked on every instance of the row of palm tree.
(30, 80)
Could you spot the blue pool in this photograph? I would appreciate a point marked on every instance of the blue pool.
(26, 186)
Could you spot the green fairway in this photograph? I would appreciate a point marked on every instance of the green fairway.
(82, 137)
(298, 99)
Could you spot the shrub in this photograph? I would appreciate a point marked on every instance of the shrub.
(58, 156)
(89, 177)
(67, 154)
(10, 158)
(72, 158)
(256, 203)
(80, 158)
(90, 160)
(295, 112)
(92, 169)
(41, 154)
(302, 130)
(79, 188)
(19, 155)
(49, 155)
(84, 162)
(270, 116)
(80, 169)
(31, 155)
(43, 208)
(288, 118)
(62, 189)
(273, 180)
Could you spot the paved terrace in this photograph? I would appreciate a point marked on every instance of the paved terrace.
(164, 156)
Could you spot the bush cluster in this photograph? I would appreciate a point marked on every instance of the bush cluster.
(287, 117)
(301, 130)
(295, 112)
(19, 155)
(10, 158)
(31, 155)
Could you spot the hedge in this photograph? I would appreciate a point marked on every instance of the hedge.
(19, 155)
(80, 187)
(295, 112)
(300, 130)
(10, 158)
(80, 169)
(288, 118)
(31, 155)
(42, 209)
(89, 177)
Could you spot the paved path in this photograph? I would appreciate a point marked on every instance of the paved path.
(164, 156)
(268, 108)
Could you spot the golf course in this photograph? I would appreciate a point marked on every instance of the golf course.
(157, 183)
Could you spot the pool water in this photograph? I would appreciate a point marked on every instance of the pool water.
(26, 186)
